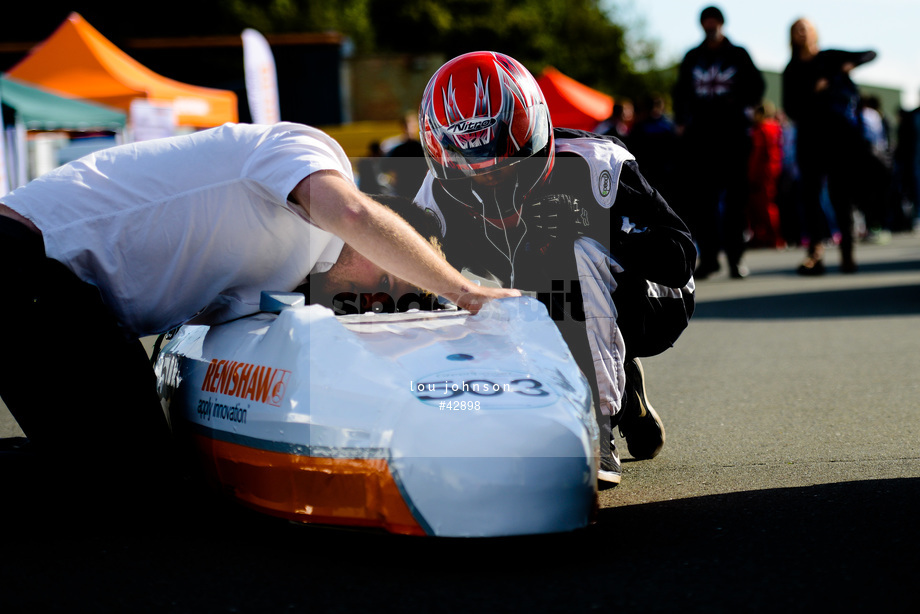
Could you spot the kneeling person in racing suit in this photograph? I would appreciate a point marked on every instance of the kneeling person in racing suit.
(568, 215)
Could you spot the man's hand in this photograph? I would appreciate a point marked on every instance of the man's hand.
(476, 296)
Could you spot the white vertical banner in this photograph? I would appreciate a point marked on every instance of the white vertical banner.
(261, 78)
(21, 147)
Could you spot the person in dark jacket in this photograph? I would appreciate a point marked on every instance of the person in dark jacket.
(717, 87)
(567, 215)
(653, 140)
(822, 100)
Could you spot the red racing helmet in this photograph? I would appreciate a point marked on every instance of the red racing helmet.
(481, 113)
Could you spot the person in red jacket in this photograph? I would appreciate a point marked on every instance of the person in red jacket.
(764, 168)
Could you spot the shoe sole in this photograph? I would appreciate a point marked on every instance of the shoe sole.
(608, 477)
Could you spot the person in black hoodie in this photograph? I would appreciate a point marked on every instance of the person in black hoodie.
(717, 87)
(822, 100)
(567, 215)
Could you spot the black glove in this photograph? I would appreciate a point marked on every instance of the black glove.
(554, 223)
(558, 217)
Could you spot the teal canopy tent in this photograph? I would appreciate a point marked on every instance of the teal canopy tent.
(35, 109)
(38, 109)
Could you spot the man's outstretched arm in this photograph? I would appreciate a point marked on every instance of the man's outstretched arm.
(335, 205)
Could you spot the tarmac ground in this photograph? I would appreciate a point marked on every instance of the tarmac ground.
(790, 481)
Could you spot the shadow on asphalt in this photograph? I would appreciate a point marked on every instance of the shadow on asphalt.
(849, 303)
(837, 547)
(897, 266)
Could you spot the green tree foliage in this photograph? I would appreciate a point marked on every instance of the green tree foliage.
(575, 36)
(350, 17)
(579, 37)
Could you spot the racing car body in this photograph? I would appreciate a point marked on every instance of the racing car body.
(425, 423)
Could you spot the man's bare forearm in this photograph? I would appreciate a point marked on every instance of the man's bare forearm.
(381, 236)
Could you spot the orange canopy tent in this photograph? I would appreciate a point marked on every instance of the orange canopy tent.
(77, 60)
(573, 104)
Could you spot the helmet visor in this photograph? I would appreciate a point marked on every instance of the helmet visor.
(469, 148)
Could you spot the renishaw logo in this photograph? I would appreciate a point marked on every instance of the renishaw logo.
(472, 125)
(246, 381)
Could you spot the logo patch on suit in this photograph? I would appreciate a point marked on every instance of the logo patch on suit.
(604, 183)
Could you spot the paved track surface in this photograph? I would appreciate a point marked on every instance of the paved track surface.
(790, 481)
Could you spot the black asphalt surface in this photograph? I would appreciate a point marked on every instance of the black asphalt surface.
(790, 482)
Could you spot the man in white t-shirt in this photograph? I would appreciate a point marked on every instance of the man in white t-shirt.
(140, 238)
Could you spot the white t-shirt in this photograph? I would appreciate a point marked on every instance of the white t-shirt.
(188, 226)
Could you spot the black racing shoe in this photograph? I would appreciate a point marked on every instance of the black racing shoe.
(639, 425)
(608, 471)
